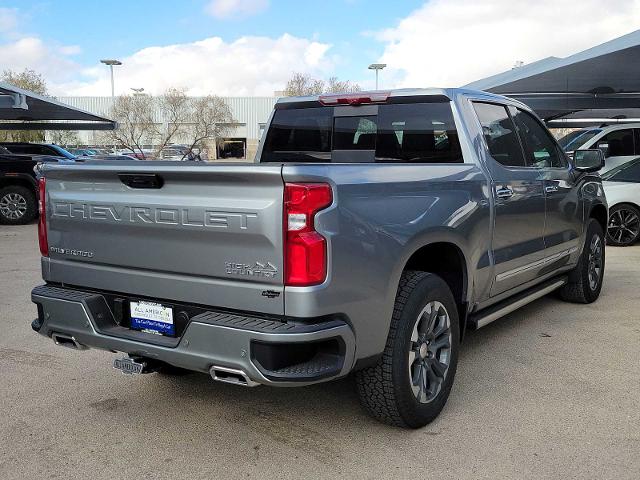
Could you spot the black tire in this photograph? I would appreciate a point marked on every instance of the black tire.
(18, 205)
(386, 390)
(581, 287)
(624, 225)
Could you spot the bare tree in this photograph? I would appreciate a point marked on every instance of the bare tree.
(136, 123)
(175, 108)
(64, 138)
(27, 80)
(211, 119)
(303, 84)
(183, 118)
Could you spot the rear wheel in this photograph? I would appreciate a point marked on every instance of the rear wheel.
(624, 225)
(585, 281)
(17, 205)
(410, 384)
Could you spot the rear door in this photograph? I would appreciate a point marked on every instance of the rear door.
(208, 234)
(518, 235)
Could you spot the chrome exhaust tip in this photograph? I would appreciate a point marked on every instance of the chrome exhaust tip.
(67, 341)
(231, 375)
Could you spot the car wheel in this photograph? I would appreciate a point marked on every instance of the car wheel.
(17, 205)
(410, 384)
(624, 225)
(585, 281)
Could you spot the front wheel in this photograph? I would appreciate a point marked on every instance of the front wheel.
(410, 384)
(585, 281)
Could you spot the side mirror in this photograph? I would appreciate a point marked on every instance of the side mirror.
(590, 160)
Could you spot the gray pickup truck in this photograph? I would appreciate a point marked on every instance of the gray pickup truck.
(373, 230)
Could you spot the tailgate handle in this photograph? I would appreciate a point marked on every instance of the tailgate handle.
(141, 180)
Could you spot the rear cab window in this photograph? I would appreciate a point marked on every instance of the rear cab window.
(417, 132)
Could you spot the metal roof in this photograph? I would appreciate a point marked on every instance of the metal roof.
(602, 77)
(24, 110)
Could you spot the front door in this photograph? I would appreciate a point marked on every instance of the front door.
(564, 216)
(518, 235)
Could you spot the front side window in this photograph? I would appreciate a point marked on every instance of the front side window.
(540, 148)
(500, 134)
(619, 143)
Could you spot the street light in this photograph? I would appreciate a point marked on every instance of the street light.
(137, 91)
(111, 63)
(377, 67)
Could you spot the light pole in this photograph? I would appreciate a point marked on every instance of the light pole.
(377, 67)
(111, 63)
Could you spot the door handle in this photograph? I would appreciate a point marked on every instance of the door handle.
(551, 188)
(504, 192)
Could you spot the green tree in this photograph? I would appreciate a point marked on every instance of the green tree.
(27, 80)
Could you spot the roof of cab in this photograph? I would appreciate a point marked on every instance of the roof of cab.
(450, 93)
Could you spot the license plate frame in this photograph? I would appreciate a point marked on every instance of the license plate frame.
(152, 317)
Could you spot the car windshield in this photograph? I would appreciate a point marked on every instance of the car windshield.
(627, 172)
(577, 138)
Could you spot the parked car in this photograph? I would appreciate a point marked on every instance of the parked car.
(18, 186)
(622, 187)
(27, 148)
(619, 143)
(374, 231)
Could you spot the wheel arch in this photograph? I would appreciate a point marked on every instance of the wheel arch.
(447, 260)
(599, 212)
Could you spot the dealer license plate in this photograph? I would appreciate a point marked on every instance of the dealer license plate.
(152, 318)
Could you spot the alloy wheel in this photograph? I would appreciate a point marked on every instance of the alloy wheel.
(624, 226)
(595, 262)
(13, 206)
(430, 351)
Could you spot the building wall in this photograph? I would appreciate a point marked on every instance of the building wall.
(249, 113)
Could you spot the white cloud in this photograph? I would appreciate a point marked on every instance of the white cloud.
(449, 43)
(246, 66)
(54, 62)
(8, 19)
(235, 8)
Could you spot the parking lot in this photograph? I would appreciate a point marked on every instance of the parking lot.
(551, 391)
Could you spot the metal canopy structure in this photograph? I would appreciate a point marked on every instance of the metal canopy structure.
(24, 110)
(602, 78)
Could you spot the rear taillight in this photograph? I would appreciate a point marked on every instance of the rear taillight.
(42, 221)
(305, 250)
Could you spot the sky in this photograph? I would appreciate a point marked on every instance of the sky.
(251, 47)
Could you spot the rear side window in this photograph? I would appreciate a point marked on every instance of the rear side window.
(627, 172)
(404, 133)
(500, 134)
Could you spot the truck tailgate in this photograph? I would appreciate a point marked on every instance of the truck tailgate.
(205, 234)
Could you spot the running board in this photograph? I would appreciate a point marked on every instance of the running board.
(493, 313)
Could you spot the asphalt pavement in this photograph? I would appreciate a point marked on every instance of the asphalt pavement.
(550, 391)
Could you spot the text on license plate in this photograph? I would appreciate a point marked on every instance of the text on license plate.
(152, 317)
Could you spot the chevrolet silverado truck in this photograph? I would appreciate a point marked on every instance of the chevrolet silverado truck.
(372, 231)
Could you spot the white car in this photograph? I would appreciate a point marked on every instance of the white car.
(622, 188)
(619, 143)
